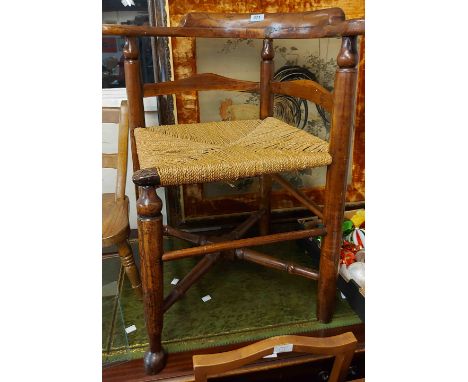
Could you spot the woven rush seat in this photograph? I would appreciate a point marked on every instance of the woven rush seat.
(228, 150)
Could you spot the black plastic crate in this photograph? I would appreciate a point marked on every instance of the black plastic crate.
(354, 294)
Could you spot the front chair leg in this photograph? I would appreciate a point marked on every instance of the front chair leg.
(150, 239)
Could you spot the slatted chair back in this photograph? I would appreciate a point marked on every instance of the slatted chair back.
(118, 160)
(342, 347)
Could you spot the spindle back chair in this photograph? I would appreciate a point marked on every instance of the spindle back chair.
(197, 153)
(115, 224)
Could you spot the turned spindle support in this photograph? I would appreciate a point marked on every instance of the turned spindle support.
(150, 235)
(127, 261)
(335, 196)
(267, 69)
(133, 84)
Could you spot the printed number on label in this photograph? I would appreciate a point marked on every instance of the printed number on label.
(257, 17)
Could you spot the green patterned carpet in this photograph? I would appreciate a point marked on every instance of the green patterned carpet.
(248, 302)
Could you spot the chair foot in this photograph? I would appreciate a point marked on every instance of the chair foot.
(324, 318)
(154, 362)
(325, 312)
(327, 282)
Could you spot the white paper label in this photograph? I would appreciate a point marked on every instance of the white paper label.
(206, 298)
(175, 281)
(259, 17)
(274, 355)
(130, 329)
(283, 348)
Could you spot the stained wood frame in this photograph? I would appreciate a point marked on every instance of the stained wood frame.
(325, 23)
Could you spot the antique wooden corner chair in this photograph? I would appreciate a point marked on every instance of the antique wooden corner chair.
(222, 151)
(115, 224)
(342, 347)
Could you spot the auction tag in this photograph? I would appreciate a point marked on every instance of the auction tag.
(206, 298)
(259, 17)
(283, 348)
(274, 355)
(130, 329)
(174, 282)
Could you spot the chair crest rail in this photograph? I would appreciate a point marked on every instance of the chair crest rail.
(263, 20)
(303, 25)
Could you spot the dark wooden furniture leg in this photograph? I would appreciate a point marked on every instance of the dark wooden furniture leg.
(265, 204)
(150, 234)
(340, 142)
(267, 68)
(126, 258)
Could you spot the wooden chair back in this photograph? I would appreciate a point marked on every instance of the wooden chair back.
(303, 25)
(118, 160)
(341, 346)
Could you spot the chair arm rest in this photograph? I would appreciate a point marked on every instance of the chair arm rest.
(146, 177)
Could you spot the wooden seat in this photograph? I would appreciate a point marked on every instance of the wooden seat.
(184, 154)
(115, 224)
(342, 347)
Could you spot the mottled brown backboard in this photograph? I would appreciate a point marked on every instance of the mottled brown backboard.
(198, 201)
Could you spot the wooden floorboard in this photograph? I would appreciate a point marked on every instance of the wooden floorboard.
(179, 366)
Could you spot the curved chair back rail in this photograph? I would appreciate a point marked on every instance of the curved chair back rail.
(341, 346)
(204, 81)
(306, 89)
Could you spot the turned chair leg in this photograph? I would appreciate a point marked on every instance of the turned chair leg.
(128, 262)
(150, 239)
(335, 195)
